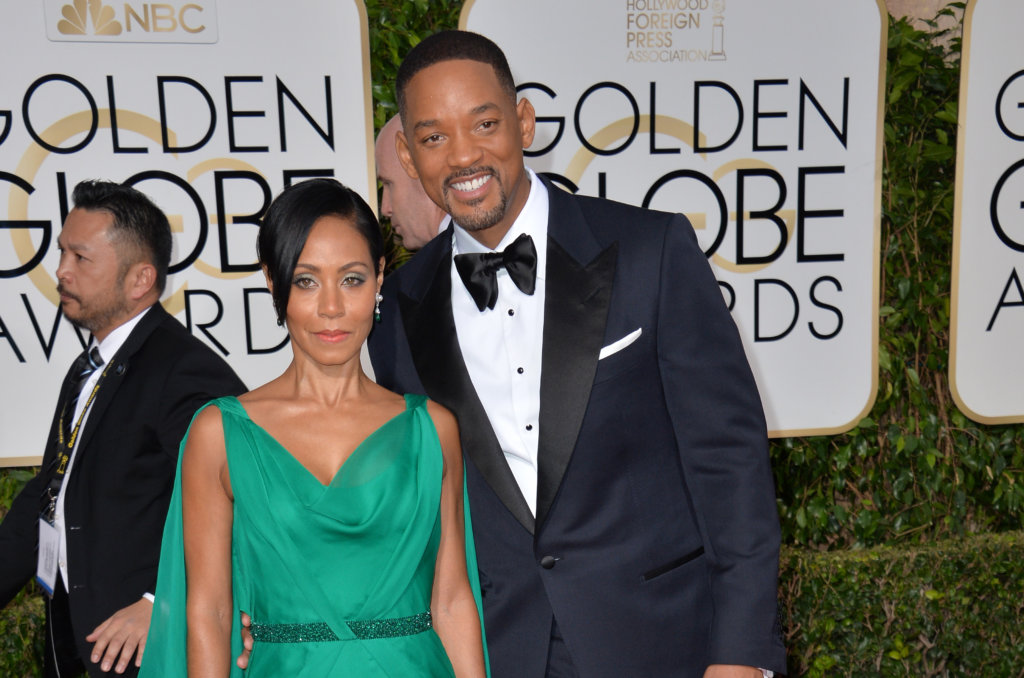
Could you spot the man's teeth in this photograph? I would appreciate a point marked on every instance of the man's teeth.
(471, 185)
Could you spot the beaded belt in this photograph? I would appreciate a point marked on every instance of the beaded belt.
(319, 632)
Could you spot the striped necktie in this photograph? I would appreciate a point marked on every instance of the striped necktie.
(85, 364)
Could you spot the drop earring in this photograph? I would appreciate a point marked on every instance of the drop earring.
(376, 309)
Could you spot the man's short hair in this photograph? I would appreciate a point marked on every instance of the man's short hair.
(140, 230)
(448, 46)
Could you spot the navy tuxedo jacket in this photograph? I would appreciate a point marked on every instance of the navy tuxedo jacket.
(120, 485)
(655, 543)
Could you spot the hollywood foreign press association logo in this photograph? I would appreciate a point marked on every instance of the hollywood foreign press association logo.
(76, 15)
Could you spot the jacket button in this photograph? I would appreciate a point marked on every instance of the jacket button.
(548, 562)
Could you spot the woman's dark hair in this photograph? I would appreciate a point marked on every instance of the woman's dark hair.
(286, 224)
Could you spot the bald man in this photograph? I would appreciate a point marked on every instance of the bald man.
(414, 216)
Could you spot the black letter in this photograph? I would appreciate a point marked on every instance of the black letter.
(219, 178)
(204, 224)
(769, 214)
(93, 125)
(160, 81)
(727, 288)
(559, 120)
(723, 211)
(999, 105)
(1015, 281)
(654, 132)
(252, 350)
(4, 334)
(112, 104)
(805, 93)
(47, 346)
(757, 308)
(289, 176)
(802, 214)
(771, 114)
(44, 246)
(697, 86)
(820, 304)
(232, 114)
(6, 115)
(994, 211)
(202, 326)
(283, 91)
(632, 133)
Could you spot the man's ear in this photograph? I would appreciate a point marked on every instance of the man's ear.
(527, 120)
(405, 155)
(140, 280)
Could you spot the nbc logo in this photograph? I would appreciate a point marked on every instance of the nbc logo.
(74, 18)
(182, 21)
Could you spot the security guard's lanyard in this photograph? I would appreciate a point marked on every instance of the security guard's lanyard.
(64, 455)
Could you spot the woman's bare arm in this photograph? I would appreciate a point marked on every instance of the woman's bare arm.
(206, 517)
(455, 616)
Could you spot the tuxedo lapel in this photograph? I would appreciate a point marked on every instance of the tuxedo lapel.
(578, 289)
(434, 344)
(114, 371)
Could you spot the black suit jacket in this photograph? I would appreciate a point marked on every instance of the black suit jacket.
(655, 544)
(117, 493)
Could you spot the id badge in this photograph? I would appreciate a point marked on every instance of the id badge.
(49, 545)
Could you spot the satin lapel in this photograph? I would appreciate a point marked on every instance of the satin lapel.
(116, 370)
(578, 291)
(434, 344)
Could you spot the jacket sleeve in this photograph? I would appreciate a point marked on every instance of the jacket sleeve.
(197, 377)
(719, 424)
(19, 536)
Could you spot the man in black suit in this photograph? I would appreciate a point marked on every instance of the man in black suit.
(96, 510)
(617, 467)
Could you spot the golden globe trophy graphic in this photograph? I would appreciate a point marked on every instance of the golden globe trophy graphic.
(717, 31)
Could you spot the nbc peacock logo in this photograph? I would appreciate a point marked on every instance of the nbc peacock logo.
(125, 21)
(77, 15)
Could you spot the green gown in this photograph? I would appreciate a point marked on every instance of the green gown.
(337, 578)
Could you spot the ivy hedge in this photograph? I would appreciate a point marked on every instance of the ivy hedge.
(952, 608)
(904, 550)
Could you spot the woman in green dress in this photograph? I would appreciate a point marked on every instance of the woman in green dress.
(323, 505)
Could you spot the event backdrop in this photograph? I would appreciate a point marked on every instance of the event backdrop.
(209, 107)
(761, 121)
(986, 366)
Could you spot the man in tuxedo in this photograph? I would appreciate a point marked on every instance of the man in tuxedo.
(89, 524)
(616, 456)
(414, 216)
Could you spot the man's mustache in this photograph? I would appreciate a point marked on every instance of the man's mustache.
(63, 291)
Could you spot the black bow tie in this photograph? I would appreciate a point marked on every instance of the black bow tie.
(479, 271)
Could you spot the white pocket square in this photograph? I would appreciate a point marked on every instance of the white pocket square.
(617, 346)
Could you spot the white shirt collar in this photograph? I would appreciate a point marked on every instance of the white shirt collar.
(112, 343)
(532, 220)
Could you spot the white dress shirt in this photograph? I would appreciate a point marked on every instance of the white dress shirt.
(502, 346)
(108, 348)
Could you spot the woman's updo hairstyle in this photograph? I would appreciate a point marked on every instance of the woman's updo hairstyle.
(287, 222)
